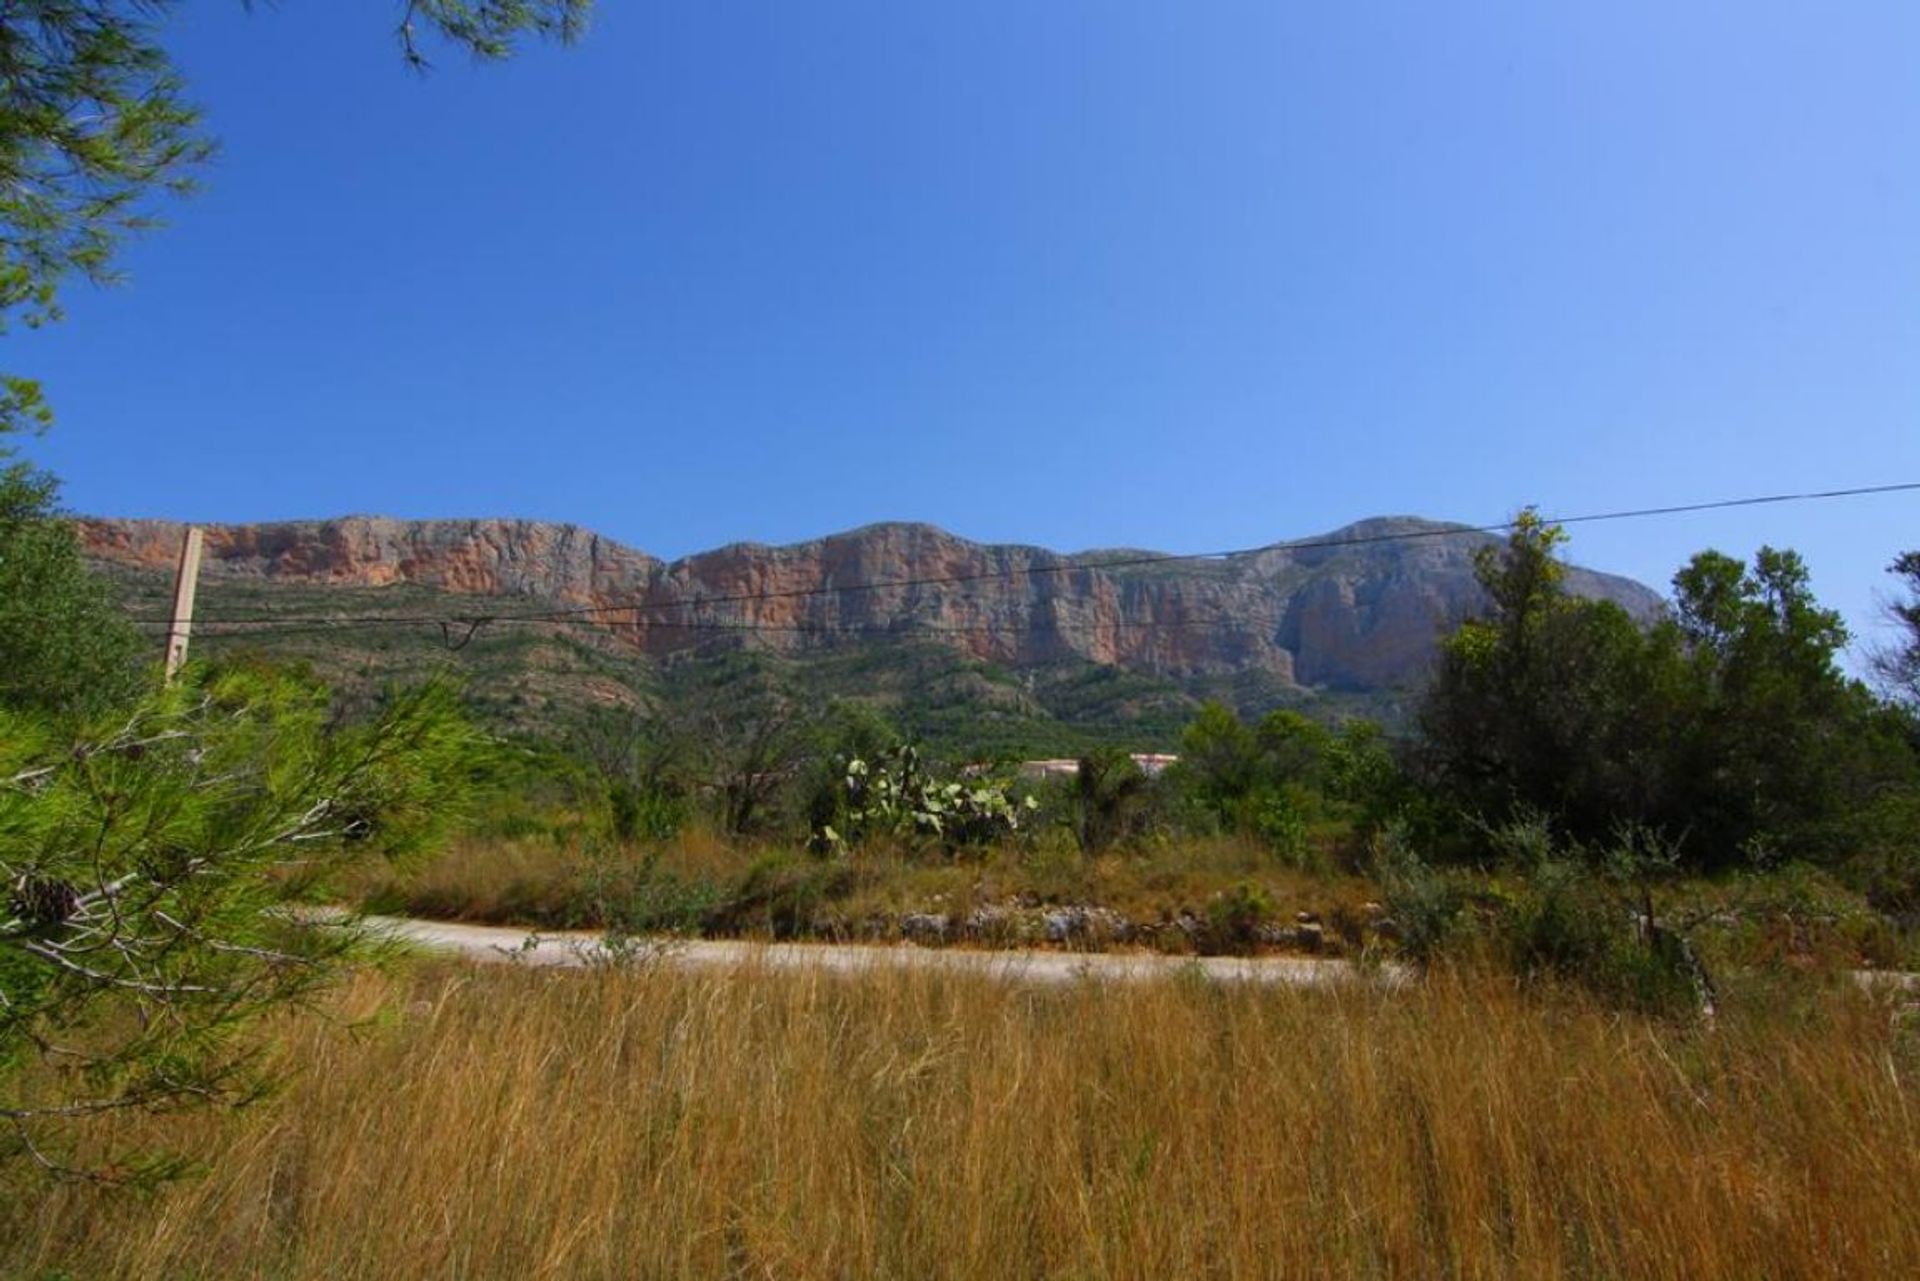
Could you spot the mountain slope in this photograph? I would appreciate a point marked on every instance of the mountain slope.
(1352, 615)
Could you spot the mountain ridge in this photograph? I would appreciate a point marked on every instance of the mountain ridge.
(1359, 608)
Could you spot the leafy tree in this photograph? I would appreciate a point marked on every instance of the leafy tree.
(1294, 748)
(95, 124)
(1526, 583)
(1525, 699)
(1898, 665)
(638, 760)
(1887, 861)
(1220, 761)
(147, 863)
(1728, 729)
(63, 647)
(1362, 773)
(1109, 792)
(1274, 779)
(1780, 751)
(1548, 703)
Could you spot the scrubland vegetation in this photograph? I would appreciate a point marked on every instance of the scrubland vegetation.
(1634, 868)
(698, 885)
(1638, 802)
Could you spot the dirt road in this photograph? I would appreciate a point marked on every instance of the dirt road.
(575, 949)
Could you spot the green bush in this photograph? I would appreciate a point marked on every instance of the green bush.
(1728, 725)
(639, 812)
(1424, 903)
(64, 649)
(1234, 919)
(782, 895)
(1566, 913)
(1108, 800)
(664, 904)
(1279, 820)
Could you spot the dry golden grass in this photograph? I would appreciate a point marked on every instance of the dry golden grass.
(555, 882)
(503, 1123)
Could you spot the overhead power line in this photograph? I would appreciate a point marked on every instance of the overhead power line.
(293, 624)
(1068, 566)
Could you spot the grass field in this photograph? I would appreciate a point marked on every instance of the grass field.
(451, 1122)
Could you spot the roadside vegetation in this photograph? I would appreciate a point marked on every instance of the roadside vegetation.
(1635, 804)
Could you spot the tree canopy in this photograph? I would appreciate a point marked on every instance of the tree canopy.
(1898, 664)
(1728, 726)
(64, 649)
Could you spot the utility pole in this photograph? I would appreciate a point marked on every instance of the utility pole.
(185, 579)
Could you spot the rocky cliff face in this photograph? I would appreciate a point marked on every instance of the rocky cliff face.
(561, 563)
(1360, 608)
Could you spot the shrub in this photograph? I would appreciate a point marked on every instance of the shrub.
(1424, 903)
(1108, 799)
(1234, 919)
(1279, 821)
(782, 895)
(629, 897)
(639, 811)
(64, 648)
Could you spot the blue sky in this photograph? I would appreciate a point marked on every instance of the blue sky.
(1079, 273)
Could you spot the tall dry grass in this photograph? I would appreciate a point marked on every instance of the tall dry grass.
(515, 1124)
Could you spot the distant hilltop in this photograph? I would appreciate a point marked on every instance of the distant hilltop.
(1360, 608)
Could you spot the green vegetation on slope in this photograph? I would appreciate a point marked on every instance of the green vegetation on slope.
(546, 681)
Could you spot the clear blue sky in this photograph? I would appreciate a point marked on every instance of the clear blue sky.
(1079, 273)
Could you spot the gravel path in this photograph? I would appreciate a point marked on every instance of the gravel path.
(583, 948)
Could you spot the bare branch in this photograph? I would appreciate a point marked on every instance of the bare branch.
(46, 953)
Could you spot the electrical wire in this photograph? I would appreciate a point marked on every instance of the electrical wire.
(281, 624)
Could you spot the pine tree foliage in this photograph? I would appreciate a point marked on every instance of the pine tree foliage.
(147, 870)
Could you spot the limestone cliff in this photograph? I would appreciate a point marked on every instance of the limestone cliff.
(474, 557)
(1360, 608)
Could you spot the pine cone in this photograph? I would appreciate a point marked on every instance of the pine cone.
(43, 900)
